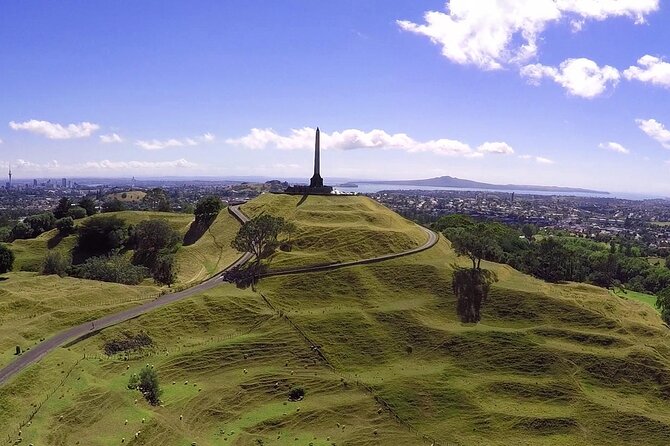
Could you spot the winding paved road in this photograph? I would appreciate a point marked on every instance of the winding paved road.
(37, 352)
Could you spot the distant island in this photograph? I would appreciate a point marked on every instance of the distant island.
(447, 181)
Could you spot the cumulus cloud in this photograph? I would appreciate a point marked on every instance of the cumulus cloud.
(580, 77)
(650, 69)
(56, 131)
(614, 147)
(156, 144)
(112, 138)
(103, 166)
(493, 33)
(655, 130)
(500, 148)
(537, 159)
(351, 139)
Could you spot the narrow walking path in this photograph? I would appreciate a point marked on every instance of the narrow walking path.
(37, 352)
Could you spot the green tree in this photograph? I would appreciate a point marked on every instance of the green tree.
(65, 225)
(164, 269)
(476, 242)
(153, 238)
(63, 206)
(114, 268)
(259, 236)
(453, 221)
(471, 287)
(552, 260)
(113, 205)
(76, 212)
(88, 204)
(667, 262)
(6, 259)
(56, 263)
(157, 200)
(20, 231)
(663, 304)
(207, 209)
(529, 231)
(102, 234)
(147, 383)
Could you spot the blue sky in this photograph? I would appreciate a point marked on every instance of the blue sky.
(553, 92)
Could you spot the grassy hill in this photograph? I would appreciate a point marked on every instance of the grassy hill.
(548, 365)
(130, 196)
(336, 229)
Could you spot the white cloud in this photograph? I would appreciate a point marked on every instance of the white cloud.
(650, 69)
(493, 33)
(155, 144)
(655, 130)
(351, 139)
(112, 138)
(615, 147)
(537, 159)
(542, 160)
(56, 131)
(101, 167)
(500, 148)
(1, 141)
(580, 77)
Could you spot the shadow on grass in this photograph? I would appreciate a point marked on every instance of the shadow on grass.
(55, 240)
(302, 200)
(196, 231)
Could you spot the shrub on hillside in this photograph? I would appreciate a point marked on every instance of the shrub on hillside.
(88, 204)
(56, 263)
(128, 342)
(33, 225)
(76, 212)
(147, 383)
(164, 270)
(113, 205)
(65, 226)
(102, 234)
(6, 259)
(152, 239)
(207, 209)
(114, 268)
(296, 394)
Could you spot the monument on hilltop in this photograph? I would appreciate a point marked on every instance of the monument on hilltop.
(316, 186)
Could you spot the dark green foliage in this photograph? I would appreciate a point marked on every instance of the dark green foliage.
(152, 238)
(102, 234)
(56, 263)
(551, 261)
(147, 383)
(76, 212)
(164, 270)
(65, 226)
(529, 231)
(471, 287)
(127, 342)
(157, 200)
(6, 259)
(5, 234)
(663, 304)
(33, 225)
(259, 236)
(88, 204)
(113, 205)
(207, 209)
(113, 268)
(296, 394)
(476, 242)
(62, 208)
(453, 221)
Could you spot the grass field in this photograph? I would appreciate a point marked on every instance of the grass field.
(548, 365)
(336, 229)
(648, 299)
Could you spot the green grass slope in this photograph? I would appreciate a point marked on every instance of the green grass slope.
(336, 229)
(548, 365)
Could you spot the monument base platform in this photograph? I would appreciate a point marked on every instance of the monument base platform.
(308, 190)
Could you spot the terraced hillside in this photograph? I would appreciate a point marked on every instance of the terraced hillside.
(34, 307)
(548, 365)
(336, 229)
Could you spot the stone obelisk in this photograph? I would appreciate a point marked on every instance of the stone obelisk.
(316, 180)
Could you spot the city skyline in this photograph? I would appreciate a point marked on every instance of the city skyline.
(529, 92)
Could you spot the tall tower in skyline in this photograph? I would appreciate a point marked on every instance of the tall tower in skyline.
(9, 183)
(316, 180)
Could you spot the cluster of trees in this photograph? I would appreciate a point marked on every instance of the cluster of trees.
(102, 242)
(6, 259)
(557, 258)
(147, 383)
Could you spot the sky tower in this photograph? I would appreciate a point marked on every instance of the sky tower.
(9, 183)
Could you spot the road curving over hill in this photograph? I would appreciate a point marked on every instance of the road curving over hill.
(89, 328)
